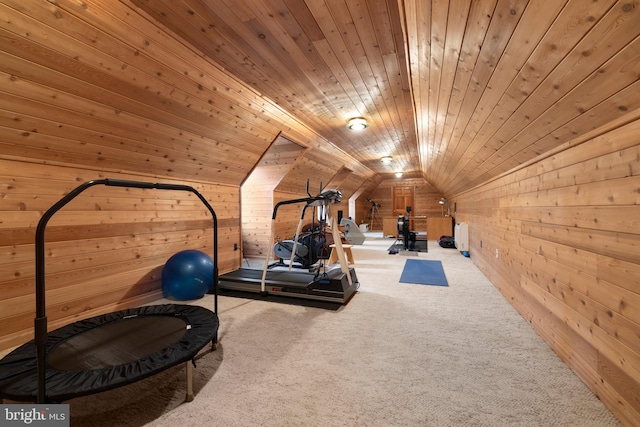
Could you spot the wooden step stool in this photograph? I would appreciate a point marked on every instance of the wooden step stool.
(333, 257)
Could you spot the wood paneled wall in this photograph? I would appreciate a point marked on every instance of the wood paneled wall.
(89, 86)
(104, 250)
(257, 207)
(503, 81)
(560, 239)
(349, 186)
(257, 195)
(361, 204)
(426, 198)
(99, 89)
(84, 94)
(316, 167)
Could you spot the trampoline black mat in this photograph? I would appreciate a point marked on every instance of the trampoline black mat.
(109, 351)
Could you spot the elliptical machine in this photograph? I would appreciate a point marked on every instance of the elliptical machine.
(305, 249)
(335, 283)
(309, 246)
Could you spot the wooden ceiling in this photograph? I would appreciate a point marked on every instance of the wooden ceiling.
(456, 91)
(323, 62)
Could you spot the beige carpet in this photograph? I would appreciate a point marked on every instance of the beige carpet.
(395, 355)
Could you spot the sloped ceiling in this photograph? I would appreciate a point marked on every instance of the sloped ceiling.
(455, 91)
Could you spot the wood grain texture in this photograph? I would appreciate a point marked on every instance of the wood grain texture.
(524, 114)
(565, 232)
(106, 248)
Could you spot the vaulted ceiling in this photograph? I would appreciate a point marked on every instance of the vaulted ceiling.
(455, 91)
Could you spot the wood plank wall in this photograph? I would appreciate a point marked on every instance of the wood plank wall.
(361, 206)
(560, 238)
(316, 167)
(99, 65)
(257, 195)
(97, 89)
(349, 187)
(426, 198)
(105, 250)
(84, 95)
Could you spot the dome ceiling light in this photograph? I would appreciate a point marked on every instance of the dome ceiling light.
(357, 123)
(386, 160)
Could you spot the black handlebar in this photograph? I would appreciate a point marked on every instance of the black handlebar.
(40, 321)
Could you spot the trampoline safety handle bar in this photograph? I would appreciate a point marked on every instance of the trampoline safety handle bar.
(141, 184)
(40, 321)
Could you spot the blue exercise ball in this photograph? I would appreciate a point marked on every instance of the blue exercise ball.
(187, 275)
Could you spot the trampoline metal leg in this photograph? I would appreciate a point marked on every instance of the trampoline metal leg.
(189, 370)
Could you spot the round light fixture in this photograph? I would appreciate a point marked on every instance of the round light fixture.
(357, 123)
(386, 160)
(399, 174)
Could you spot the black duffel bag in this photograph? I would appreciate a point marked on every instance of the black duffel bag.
(446, 242)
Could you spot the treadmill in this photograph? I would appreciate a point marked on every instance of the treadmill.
(332, 285)
(335, 283)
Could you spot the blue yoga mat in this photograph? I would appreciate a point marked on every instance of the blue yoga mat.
(423, 272)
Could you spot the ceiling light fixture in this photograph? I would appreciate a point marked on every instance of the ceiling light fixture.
(399, 174)
(386, 160)
(444, 202)
(357, 123)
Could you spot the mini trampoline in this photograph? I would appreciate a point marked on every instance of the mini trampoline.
(110, 350)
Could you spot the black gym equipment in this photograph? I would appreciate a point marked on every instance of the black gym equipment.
(109, 350)
(408, 236)
(283, 249)
(336, 283)
(307, 246)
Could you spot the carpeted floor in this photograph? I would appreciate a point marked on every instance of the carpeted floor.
(396, 355)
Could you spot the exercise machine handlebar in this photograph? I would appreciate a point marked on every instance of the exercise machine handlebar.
(329, 196)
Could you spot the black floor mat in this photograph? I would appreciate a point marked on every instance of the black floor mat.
(420, 246)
